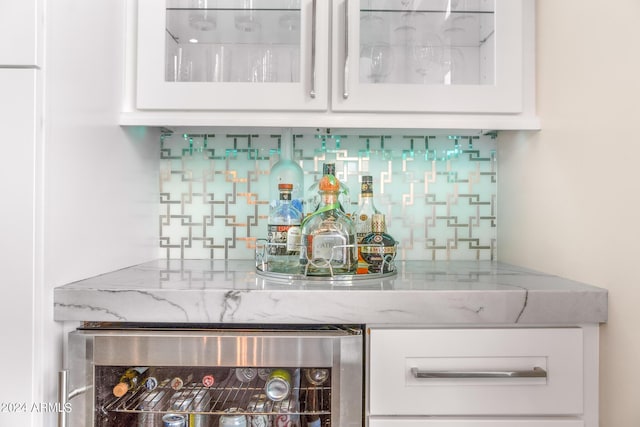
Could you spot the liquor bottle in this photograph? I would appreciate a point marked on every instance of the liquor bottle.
(246, 375)
(151, 383)
(283, 234)
(362, 217)
(178, 382)
(263, 373)
(328, 235)
(378, 248)
(208, 380)
(286, 170)
(312, 201)
(316, 376)
(131, 379)
(313, 407)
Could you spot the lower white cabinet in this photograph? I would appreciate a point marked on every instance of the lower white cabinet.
(449, 377)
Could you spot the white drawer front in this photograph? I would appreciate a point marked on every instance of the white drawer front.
(417, 422)
(462, 359)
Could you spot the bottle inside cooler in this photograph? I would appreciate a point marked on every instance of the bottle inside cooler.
(215, 396)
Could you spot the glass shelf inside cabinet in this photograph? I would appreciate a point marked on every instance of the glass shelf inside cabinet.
(250, 41)
(433, 42)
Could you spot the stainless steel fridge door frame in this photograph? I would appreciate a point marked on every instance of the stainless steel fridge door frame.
(340, 349)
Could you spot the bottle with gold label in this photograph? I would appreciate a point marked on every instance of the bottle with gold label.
(378, 248)
(363, 215)
(328, 235)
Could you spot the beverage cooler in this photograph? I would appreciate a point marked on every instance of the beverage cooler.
(155, 376)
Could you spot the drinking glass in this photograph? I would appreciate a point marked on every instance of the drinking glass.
(428, 56)
(269, 66)
(261, 65)
(247, 19)
(380, 57)
(203, 17)
(190, 64)
(410, 17)
(371, 23)
(218, 59)
(290, 19)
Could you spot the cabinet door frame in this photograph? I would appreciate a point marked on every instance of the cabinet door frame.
(154, 93)
(505, 96)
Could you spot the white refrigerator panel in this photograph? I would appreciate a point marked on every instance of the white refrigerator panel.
(18, 121)
(20, 27)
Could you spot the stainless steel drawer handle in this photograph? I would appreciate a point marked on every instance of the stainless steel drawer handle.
(536, 372)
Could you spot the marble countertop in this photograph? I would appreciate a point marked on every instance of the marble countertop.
(421, 293)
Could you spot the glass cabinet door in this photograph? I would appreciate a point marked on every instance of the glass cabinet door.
(232, 54)
(428, 56)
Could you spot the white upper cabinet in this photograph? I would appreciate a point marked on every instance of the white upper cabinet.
(20, 26)
(461, 56)
(233, 55)
(335, 63)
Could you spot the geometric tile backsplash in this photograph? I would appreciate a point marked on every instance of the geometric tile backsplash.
(438, 192)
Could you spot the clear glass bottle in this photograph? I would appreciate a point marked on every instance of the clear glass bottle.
(283, 235)
(246, 375)
(328, 235)
(180, 381)
(362, 217)
(313, 407)
(208, 380)
(312, 202)
(131, 379)
(378, 248)
(286, 170)
(151, 383)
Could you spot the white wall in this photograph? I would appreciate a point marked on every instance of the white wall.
(569, 195)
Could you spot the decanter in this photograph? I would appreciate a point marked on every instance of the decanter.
(328, 235)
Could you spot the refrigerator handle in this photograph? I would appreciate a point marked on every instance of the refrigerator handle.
(63, 397)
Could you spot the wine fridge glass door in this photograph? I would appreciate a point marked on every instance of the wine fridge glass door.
(208, 377)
